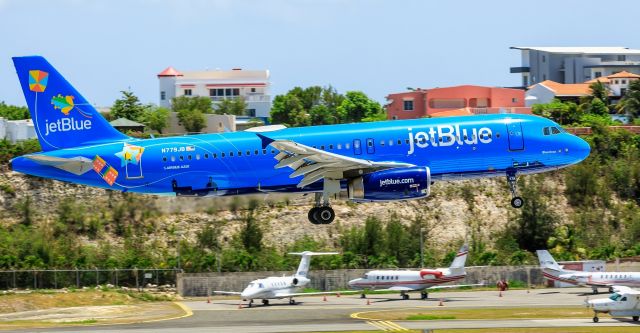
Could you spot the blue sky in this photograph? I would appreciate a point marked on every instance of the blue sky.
(374, 46)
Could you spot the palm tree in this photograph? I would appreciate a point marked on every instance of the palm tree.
(630, 102)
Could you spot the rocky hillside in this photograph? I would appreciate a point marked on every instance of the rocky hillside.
(449, 212)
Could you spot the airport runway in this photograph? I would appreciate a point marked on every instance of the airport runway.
(343, 313)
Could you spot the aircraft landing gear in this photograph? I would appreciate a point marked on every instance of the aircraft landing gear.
(322, 213)
(265, 302)
(611, 289)
(424, 295)
(405, 296)
(635, 318)
(595, 291)
(516, 201)
(363, 296)
(250, 303)
(292, 301)
(596, 319)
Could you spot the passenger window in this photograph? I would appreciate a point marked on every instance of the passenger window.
(498, 135)
(545, 131)
(222, 155)
(399, 142)
(248, 152)
(164, 158)
(197, 156)
(406, 141)
(322, 147)
(330, 146)
(230, 154)
(255, 152)
(273, 151)
(189, 157)
(173, 158)
(264, 152)
(370, 143)
(214, 155)
(339, 146)
(555, 130)
(239, 153)
(181, 158)
(382, 143)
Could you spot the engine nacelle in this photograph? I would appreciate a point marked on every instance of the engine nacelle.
(429, 273)
(392, 184)
(294, 282)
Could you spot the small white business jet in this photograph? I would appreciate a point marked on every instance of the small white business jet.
(624, 302)
(281, 287)
(422, 280)
(552, 271)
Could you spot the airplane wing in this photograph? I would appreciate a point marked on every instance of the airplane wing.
(76, 165)
(220, 292)
(344, 292)
(449, 286)
(625, 290)
(315, 164)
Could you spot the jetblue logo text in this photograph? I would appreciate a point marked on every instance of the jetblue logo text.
(385, 182)
(448, 135)
(67, 125)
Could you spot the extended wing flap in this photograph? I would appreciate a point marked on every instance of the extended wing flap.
(315, 164)
(75, 165)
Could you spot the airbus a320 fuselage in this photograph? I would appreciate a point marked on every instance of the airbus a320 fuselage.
(379, 161)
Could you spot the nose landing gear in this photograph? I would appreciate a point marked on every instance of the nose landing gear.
(516, 201)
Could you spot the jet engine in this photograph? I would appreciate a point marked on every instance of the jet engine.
(391, 184)
(427, 273)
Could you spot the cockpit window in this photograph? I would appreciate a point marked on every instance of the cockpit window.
(614, 297)
(555, 130)
(260, 285)
(251, 284)
(545, 131)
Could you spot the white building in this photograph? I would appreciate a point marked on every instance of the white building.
(17, 130)
(252, 85)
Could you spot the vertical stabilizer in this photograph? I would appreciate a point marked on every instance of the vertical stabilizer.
(547, 261)
(461, 258)
(303, 268)
(62, 118)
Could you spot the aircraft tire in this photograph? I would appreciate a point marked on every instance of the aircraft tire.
(292, 302)
(325, 215)
(517, 202)
(596, 319)
(635, 318)
(405, 297)
(265, 302)
(424, 295)
(313, 213)
(610, 289)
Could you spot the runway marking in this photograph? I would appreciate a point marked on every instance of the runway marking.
(387, 325)
(186, 309)
(359, 315)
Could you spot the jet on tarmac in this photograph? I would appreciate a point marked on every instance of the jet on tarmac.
(552, 271)
(422, 280)
(281, 287)
(622, 303)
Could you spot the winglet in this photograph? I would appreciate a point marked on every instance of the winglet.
(265, 140)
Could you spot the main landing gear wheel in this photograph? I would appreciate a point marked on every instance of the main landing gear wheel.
(292, 302)
(635, 318)
(405, 296)
(265, 302)
(596, 319)
(321, 215)
(424, 295)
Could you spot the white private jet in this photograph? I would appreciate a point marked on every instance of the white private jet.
(623, 302)
(281, 287)
(422, 280)
(552, 271)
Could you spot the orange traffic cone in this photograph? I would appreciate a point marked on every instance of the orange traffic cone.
(338, 295)
(239, 305)
(368, 302)
(500, 295)
(208, 299)
(441, 302)
(324, 299)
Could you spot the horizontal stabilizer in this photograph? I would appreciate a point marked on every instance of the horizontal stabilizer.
(75, 165)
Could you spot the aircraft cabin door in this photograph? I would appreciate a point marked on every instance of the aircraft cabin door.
(357, 147)
(371, 149)
(516, 138)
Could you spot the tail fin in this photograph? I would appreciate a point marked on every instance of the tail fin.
(61, 116)
(461, 257)
(303, 268)
(547, 261)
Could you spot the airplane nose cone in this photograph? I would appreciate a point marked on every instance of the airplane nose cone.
(581, 148)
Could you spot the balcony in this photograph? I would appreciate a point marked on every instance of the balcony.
(519, 69)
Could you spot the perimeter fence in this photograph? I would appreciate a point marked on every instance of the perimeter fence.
(78, 278)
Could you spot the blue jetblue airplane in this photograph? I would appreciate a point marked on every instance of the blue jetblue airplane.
(380, 161)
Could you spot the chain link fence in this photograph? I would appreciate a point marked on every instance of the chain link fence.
(78, 278)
